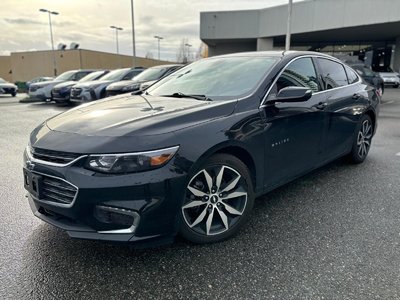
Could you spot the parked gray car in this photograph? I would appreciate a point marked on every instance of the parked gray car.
(142, 81)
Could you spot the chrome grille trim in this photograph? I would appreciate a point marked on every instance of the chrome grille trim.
(28, 151)
(64, 204)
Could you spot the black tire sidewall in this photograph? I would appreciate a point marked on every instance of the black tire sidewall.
(233, 162)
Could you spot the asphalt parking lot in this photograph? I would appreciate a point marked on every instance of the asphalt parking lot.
(333, 234)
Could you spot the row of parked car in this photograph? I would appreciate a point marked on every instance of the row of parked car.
(80, 86)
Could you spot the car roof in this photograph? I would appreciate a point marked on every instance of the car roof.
(166, 66)
(288, 54)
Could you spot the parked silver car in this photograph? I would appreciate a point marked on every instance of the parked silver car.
(8, 88)
(389, 76)
(42, 90)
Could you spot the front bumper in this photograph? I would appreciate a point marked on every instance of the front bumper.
(154, 196)
(60, 97)
(84, 96)
(38, 94)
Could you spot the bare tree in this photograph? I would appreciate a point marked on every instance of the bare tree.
(149, 55)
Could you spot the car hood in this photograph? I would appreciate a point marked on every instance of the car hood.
(7, 85)
(132, 115)
(388, 74)
(46, 83)
(65, 84)
(93, 83)
(120, 84)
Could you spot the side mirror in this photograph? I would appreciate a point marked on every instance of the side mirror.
(293, 94)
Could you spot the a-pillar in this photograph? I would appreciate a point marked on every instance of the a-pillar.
(265, 44)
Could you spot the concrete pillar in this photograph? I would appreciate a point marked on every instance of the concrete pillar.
(396, 54)
(265, 44)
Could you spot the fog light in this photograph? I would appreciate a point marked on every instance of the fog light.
(126, 218)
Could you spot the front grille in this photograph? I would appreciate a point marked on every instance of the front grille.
(76, 92)
(57, 190)
(8, 90)
(54, 156)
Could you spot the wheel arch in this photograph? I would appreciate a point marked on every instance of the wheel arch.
(236, 150)
(372, 115)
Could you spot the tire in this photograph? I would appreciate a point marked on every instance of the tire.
(362, 140)
(229, 177)
(13, 94)
(396, 86)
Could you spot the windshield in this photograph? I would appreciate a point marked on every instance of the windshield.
(216, 78)
(368, 72)
(2, 80)
(115, 75)
(65, 76)
(151, 74)
(91, 76)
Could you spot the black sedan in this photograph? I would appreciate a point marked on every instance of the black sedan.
(370, 76)
(190, 154)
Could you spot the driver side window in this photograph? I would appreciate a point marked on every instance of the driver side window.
(301, 73)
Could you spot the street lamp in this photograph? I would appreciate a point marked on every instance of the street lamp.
(133, 34)
(116, 34)
(51, 37)
(288, 26)
(158, 38)
(188, 51)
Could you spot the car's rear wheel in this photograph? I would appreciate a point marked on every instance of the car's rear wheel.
(362, 140)
(218, 200)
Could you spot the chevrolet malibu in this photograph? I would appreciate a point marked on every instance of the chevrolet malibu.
(189, 155)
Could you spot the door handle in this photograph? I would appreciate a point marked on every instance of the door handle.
(321, 105)
(356, 96)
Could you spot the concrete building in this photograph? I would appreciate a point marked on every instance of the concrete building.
(23, 66)
(367, 30)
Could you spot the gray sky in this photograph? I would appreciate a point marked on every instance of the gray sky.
(87, 23)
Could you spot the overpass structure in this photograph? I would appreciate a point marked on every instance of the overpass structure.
(366, 30)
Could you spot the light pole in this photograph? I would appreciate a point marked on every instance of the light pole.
(287, 43)
(158, 38)
(188, 51)
(51, 37)
(116, 34)
(133, 34)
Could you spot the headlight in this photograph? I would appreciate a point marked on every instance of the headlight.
(130, 162)
(130, 87)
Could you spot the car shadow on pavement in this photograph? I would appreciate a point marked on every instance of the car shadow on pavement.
(280, 225)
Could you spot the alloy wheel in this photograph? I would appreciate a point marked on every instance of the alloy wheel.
(364, 138)
(215, 200)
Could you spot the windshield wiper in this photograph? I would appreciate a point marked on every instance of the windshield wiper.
(182, 95)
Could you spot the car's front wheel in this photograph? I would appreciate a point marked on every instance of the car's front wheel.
(218, 201)
(13, 94)
(362, 140)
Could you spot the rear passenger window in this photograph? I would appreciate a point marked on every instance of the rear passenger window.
(332, 73)
(301, 73)
(351, 76)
